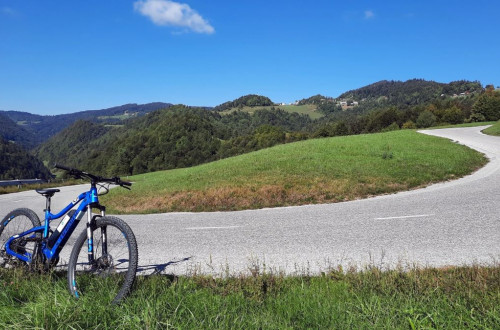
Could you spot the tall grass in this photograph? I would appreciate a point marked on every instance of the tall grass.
(313, 171)
(453, 298)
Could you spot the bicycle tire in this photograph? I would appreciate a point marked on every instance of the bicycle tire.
(116, 273)
(16, 222)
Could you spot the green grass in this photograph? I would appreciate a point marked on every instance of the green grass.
(475, 124)
(493, 130)
(451, 298)
(312, 171)
(308, 109)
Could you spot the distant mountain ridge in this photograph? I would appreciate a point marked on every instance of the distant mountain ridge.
(43, 127)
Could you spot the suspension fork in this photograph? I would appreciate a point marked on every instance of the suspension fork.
(90, 233)
(90, 239)
(104, 236)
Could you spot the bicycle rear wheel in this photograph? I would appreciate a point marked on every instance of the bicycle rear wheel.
(16, 222)
(112, 272)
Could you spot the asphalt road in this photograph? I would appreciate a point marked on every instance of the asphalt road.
(452, 223)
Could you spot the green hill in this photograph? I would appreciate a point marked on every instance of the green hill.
(166, 139)
(10, 131)
(411, 92)
(250, 100)
(170, 138)
(73, 145)
(313, 171)
(16, 163)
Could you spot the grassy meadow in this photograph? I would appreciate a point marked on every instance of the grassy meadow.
(307, 172)
(493, 130)
(451, 298)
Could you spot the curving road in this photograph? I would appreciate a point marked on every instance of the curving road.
(452, 223)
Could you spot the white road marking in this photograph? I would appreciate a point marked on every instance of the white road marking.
(406, 217)
(18, 201)
(205, 228)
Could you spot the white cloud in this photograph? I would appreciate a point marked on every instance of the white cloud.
(171, 13)
(369, 14)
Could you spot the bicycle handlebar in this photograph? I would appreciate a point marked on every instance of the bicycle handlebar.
(94, 178)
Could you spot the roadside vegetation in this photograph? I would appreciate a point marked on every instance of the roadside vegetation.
(27, 187)
(306, 172)
(493, 130)
(452, 297)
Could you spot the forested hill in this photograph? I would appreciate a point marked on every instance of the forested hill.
(71, 145)
(43, 127)
(16, 163)
(10, 131)
(411, 92)
(176, 137)
(250, 100)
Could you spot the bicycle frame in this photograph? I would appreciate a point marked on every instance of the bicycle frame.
(88, 200)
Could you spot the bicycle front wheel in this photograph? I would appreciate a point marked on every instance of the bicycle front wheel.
(111, 273)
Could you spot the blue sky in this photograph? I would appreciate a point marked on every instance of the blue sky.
(66, 56)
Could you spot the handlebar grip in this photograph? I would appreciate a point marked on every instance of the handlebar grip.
(126, 183)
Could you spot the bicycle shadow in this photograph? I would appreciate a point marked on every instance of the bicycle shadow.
(156, 269)
(153, 269)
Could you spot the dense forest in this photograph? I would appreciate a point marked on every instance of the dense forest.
(182, 136)
(411, 92)
(251, 100)
(16, 163)
(10, 131)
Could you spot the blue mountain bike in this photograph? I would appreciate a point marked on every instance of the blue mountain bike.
(104, 257)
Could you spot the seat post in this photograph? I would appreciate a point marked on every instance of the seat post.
(47, 203)
(47, 193)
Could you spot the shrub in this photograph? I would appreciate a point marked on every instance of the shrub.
(426, 119)
(453, 115)
(392, 127)
(488, 105)
(409, 125)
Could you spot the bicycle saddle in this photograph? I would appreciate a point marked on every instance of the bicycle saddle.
(47, 192)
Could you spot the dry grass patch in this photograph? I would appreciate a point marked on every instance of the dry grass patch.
(251, 197)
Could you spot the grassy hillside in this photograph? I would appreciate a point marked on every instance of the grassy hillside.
(313, 171)
(306, 109)
(493, 130)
